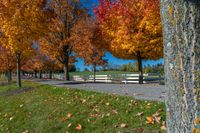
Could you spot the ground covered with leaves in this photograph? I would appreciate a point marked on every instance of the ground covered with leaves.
(48, 109)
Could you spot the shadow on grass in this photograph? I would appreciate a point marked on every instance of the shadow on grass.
(15, 92)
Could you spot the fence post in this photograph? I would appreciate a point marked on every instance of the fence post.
(160, 79)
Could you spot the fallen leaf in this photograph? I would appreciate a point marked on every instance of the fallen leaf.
(157, 119)
(163, 127)
(114, 112)
(150, 120)
(63, 119)
(140, 114)
(107, 104)
(11, 118)
(116, 126)
(78, 127)
(69, 125)
(26, 131)
(108, 114)
(93, 115)
(123, 125)
(139, 130)
(69, 115)
(83, 101)
(104, 131)
(156, 114)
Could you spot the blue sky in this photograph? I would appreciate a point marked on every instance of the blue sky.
(116, 61)
(89, 4)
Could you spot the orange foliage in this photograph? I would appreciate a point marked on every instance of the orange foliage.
(131, 26)
(84, 36)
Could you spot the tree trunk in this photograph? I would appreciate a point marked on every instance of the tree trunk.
(40, 74)
(50, 74)
(66, 68)
(9, 75)
(18, 63)
(94, 72)
(139, 59)
(35, 73)
(181, 29)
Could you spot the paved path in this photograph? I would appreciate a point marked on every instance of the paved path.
(144, 91)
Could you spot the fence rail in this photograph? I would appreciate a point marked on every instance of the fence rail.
(114, 78)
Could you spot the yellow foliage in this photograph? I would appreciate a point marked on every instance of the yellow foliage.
(22, 22)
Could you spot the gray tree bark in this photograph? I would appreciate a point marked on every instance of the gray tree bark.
(50, 74)
(140, 68)
(66, 69)
(40, 74)
(181, 29)
(35, 74)
(94, 72)
(9, 75)
(18, 63)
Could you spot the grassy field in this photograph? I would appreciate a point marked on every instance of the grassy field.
(47, 109)
(3, 78)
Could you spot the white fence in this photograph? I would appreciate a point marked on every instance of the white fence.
(100, 78)
(124, 78)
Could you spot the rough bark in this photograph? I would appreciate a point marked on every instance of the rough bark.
(94, 72)
(66, 67)
(181, 29)
(139, 59)
(18, 63)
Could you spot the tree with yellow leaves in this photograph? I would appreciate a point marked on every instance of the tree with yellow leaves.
(7, 61)
(22, 22)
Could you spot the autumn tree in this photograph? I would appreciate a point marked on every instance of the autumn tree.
(22, 21)
(85, 35)
(181, 31)
(66, 13)
(35, 63)
(131, 28)
(7, 61)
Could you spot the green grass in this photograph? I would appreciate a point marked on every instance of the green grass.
(12, 86)
(3, 78)
(45, 108)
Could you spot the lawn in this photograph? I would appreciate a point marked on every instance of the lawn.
(48, 109)
(2, 78)
(100, 73)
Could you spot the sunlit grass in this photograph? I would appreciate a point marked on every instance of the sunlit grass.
(47, 109)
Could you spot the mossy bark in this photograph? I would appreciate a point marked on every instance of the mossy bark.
(181, 29)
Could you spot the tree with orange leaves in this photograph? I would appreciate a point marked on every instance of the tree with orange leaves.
(7, 61)
(85, 35)
(66, 13)
(21, 23)
(131, 28)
